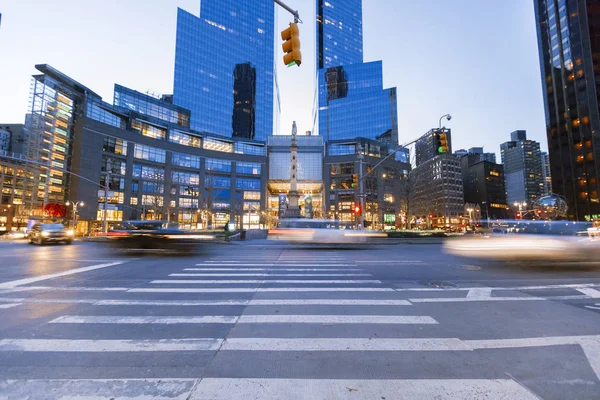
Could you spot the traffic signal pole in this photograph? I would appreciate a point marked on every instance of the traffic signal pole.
(290, 10)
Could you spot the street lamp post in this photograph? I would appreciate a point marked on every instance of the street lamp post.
(447, 116)
(520, 205)
(75, 205)
(470, 210)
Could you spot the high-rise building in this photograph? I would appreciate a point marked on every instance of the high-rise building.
(546, 173)
(569, 52)
(5, 139)
(426, 146)
(17, 136)
(224, 68)
(351, 101)
(438, 190)
(483, 184)
(491, 157)
(522, 161)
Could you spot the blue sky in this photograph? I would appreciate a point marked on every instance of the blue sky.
(474, 59)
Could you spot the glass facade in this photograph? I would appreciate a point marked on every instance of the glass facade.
(569, 52)
(224, 67)
(351, 100)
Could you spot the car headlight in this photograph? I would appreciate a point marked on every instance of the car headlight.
(45, 234)
(70, 232)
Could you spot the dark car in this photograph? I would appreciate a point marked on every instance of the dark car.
(50, 233)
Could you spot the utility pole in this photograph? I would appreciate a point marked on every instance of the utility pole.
(106, 183)
(361, 187)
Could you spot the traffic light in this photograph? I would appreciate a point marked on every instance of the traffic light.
(518, 215)
(357, 209)
(291, 45)
(354, 180)
(442, 142)
(430, 216)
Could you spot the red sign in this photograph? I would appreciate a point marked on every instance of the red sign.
(55, 210)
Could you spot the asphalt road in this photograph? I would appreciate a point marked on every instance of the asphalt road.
(256, 321)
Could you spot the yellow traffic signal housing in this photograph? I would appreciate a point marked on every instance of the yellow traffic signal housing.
(442, 143)
(354, 180)
(291, 45)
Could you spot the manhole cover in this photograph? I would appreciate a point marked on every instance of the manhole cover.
(439, 284)
(471, 267)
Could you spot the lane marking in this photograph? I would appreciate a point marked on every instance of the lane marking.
(12, 284)
(261, 281)
(257, 290)
(343, 344)
(480, 293)
(471, 299)
(99, 346)
(274, 269)
(245, 319)
(170, 303)
(274, 265)
(329, 302)
(341, 389)
(101, 319)
(390, 262)
(9, 305)
(516, 288)
(593, 293)
(335, 319)
(266, 274)
(159, 389)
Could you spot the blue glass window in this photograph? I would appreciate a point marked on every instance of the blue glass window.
(251, 149)
(149, 153)
(217, 181)
(213, 164)
(247, 168)
(185, 160)
(250, 184)
(184, 139)
(185, 178)
(147, 172)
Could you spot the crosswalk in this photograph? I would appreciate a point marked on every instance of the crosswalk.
(286, 325)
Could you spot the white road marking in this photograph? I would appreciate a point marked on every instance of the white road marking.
(389, 261)
(274, 269)
(258, 290)
(26, 281)
(98, 346)
(335, 319)
(479, 293)
(275, 265)
(594, 307)
(100, 319)
(9, 305)
(329, 302)
(266, 274)
(341, 389)
(184, 303)
(343, 344)
(96, 389)
(471, 299)
(66, 288)
(174, 303)
(541, 287)
(261, 281)
(593, 293)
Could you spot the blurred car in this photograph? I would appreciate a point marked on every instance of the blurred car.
(531, 241)
(50, 233)
(318, 231)
(16, 235)
(150, 236)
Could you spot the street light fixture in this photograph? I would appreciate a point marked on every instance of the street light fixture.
(75, 205)
(447, 116)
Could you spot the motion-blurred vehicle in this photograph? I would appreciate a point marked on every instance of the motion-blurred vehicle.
(555, 241)
(155, 236)
(318, 231)
(50, 233)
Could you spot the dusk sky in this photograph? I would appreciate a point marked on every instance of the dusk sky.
(475, 59)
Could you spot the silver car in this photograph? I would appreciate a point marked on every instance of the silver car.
(50, 233)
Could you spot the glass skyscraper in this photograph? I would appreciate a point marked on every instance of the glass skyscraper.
(569, 50)
(351, 100)
(224, 68)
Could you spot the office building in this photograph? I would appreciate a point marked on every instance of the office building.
(309, 175)
(546, 173)
(351, 101)
(569, 53)
(438, 191)
(382, 186)
(483, 185)
(426, 147)
(522, 160)
(5, 139)
(156, 167)
(17, 136)
(491, 157)
(224, 68)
